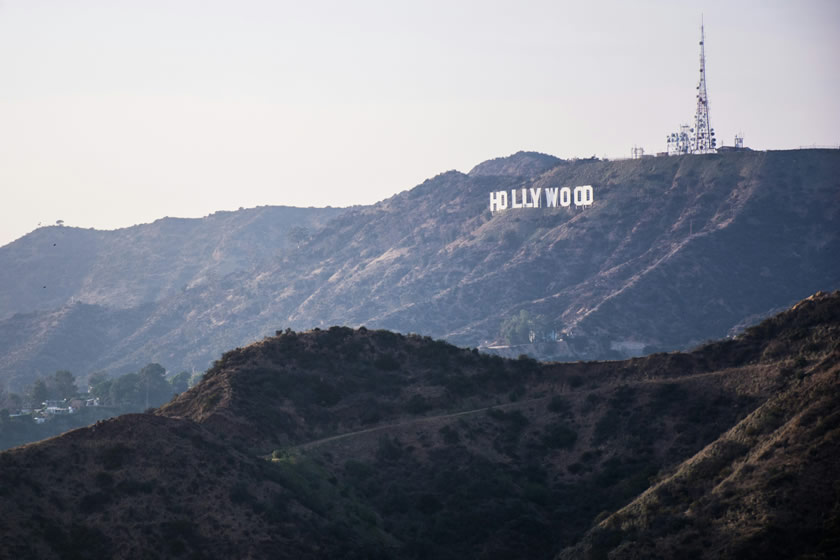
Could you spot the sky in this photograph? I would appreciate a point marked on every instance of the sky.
(114, 113)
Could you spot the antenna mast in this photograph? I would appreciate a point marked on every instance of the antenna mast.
(703, 139)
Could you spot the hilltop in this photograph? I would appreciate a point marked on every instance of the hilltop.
(673, 251)
(359, 443)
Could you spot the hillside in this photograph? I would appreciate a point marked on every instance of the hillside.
(124, 268)
(672, 252)
(767, 488)
(361, 443)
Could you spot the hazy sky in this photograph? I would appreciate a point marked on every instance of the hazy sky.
(114, 112)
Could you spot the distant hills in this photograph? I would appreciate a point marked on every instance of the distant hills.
(343, 443)
(124, 268)
(673, 251)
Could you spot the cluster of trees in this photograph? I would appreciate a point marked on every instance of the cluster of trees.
(10, 401)
(526, 328)
(146, 388)
(149, 387)
(298, 235)
(132, 392)
(60, 385)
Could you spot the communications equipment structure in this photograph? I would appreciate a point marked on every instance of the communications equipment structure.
(701, 138)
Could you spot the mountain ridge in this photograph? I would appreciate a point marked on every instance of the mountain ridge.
(134, 265)
(706, 240)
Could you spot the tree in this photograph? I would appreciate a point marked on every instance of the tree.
(64, 384)
(180, 382)
(96, 378)
(515, 330)
(9, 400)
(135, 391)
(38, 393)
(524, 328)
(152, 370)
(124, 391)
(154, 387)
(298, 234)
(99, 386)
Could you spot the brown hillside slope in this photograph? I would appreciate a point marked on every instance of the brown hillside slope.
(767, 488)
(143, 486)
(356, 443)
(297, 387)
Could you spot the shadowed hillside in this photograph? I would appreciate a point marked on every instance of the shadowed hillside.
(362, 443)
(767, 488)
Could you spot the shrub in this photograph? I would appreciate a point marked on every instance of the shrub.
(389, 450)
(575, 381)
(559, 436)
(592, 400)
(326, 394)
(459, 384)
(104, 479)
(387, 362)
(239, 494)
(417, 404)
(450, 435)
(559, 405)
(370, 414)
(92, 503)
(132, 487)
(177, 533)
(114, 456)
(358, 470)
(608, 426)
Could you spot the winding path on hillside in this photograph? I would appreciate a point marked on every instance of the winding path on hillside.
(402, 423)
(409, 422)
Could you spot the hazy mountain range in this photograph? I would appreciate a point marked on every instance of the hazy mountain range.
(673, 251)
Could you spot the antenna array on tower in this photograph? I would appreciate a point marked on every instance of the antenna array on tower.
(701, 138)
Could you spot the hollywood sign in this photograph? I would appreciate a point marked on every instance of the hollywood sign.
(531, 198)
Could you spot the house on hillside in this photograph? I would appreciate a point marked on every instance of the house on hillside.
(59, 410)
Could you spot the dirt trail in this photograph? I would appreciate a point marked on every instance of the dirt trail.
(516, 404)
(417, 421)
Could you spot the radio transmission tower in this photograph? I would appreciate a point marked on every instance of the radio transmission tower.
(703, 139)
